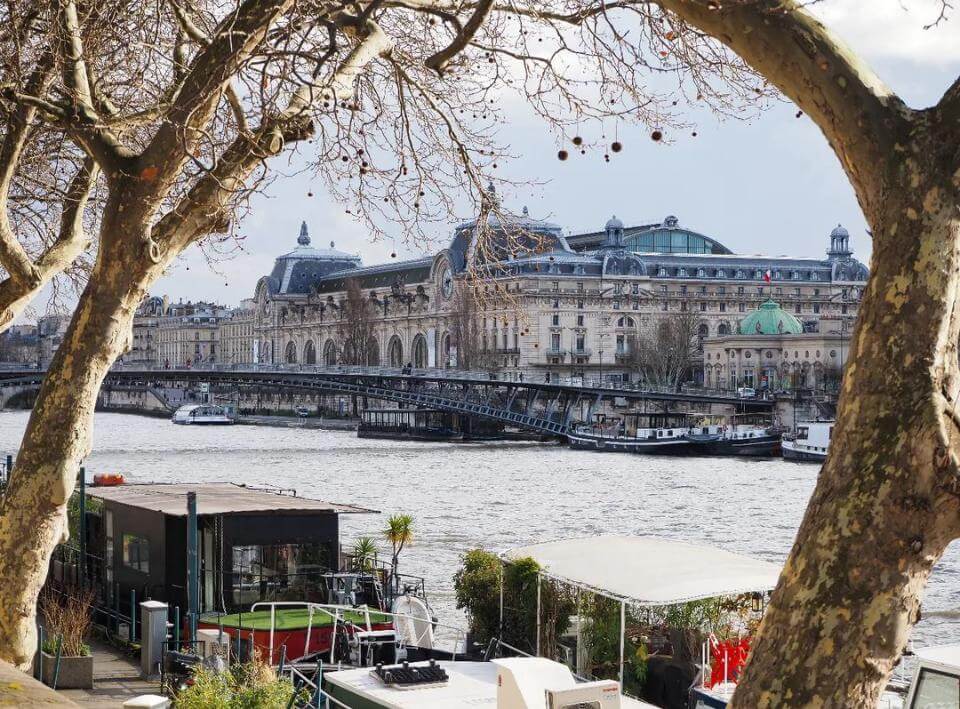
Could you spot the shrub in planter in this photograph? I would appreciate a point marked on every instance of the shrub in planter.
(67, 619)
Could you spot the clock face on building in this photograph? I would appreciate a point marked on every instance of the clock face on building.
(446, 282)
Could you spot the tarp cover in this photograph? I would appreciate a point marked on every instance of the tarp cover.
(650, 571)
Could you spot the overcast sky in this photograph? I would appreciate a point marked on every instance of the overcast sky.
(769, 186)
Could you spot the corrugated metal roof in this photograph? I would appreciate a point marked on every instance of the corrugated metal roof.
(213, 499)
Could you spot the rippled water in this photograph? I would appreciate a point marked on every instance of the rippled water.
(496, 495)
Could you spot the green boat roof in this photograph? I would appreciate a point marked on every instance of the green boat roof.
(287, 619)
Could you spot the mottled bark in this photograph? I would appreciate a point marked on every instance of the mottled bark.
(57, 438)
(134, 248)
(886, 503)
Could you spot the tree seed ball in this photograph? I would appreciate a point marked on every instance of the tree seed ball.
(393, 254)
(577, 140)
(616, 146)
(656, 135)
(562, 155)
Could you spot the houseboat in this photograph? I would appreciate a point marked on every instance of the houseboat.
(933, 683)
(810, 443)
(662, 434)
(202, 414)
(752, 435)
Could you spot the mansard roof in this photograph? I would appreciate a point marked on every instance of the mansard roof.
(296, 271)
(381, 275)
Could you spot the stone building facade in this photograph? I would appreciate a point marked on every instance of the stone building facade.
(189, 334)
(568, 307)
(771, 350)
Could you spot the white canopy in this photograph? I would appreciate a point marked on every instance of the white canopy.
(649, 571)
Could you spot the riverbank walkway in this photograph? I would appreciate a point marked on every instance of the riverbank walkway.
(116, 679)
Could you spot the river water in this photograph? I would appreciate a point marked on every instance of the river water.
(495, 495)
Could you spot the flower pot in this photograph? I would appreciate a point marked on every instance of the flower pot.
(75, 672)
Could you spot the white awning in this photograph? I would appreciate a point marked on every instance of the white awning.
(650, 571)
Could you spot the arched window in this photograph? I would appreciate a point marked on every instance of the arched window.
(290, 354)
(309, 353)
(419, 351)
(702, 332)
(395, 352)
(373, 353)
(626, 321)
(330, 353)
(724, 329)
(445, 350)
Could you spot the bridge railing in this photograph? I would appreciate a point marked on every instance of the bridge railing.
(440, 373)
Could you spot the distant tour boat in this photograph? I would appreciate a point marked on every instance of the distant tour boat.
(810, 443)
(210, 414)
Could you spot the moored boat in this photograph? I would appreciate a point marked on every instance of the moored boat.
(206, 414)
(810, 443)
(660, 434)
(752, 435)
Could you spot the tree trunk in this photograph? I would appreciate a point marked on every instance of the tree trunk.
(58, 438)
(885, 505)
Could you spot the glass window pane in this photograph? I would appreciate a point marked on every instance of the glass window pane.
(136, 553)
(936, 691)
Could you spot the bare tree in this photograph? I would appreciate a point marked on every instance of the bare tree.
(182, 105)
(666, 354)
(356, 329)
(466, 331)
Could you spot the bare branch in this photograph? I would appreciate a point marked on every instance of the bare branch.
(439, 61)
(857, 113)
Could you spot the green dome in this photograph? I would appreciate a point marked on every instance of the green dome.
(770, 319)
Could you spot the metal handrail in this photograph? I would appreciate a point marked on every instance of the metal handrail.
(337, 613)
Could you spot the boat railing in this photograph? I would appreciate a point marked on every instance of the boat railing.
(337, 613)
(318, 698)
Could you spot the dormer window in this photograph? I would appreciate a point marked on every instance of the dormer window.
(701, 273)
(740, 273)
(778, 275)
(795, 275)
(662, 272)
(682, 272)
(814, 276)
(758, 274)
(721, 273)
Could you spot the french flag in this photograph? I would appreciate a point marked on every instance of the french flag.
(766, 275)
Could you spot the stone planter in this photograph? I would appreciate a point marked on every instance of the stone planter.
(75, 672)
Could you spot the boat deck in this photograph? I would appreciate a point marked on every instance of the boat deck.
(471, 684)
(288, 619)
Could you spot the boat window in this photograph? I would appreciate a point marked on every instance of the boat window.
(136, 553)
(276, 571)
(936, 689)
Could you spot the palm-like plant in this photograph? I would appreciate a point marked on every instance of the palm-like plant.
(399, 533)
(365, 553)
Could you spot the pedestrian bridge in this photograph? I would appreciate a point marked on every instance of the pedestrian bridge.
(544, 407)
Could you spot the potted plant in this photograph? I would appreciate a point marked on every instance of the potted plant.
(67, 619)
